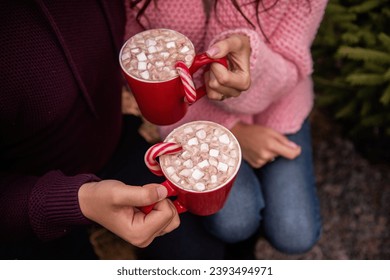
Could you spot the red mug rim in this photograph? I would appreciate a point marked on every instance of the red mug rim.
(151, 81)
(228, 179)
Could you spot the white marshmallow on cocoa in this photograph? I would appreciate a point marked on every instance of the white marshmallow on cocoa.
(188, 163)
(193, 141)
(145, 75)
(233, 153)
(213, 161)
(185, 155)
(184, 49)
(203, 163)
(141, 57)
(201, 134)
(175, 178)
(204, 147)
(224, 139)
(197, 174)
(231, 162)
(125, 56)
(150, 42)
(135, 50)
(222, 166)
(185, 172)
(141, 65)
(164, 54)
(213, 153)
(171, 44)
(200, 187)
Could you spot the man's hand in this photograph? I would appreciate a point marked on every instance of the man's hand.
(113, 205)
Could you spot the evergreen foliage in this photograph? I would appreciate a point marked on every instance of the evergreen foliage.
(352, 70)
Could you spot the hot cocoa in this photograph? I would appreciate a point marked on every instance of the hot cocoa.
(151, 55)
(210, 156)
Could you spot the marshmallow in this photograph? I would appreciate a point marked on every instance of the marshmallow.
(204, 163)
(213, 153)
(200, 187)
(224, 139)
(141, 57)
(222, 167)
(197, 174)
(201, 134)
(193, 141)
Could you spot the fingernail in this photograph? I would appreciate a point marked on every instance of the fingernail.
(211, 52)
(293, 145)
(162, 192)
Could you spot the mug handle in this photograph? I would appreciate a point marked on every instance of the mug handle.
(185, 73)
(171, 192)
(151, 155)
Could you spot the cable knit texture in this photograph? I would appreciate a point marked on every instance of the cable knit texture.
(281, 94)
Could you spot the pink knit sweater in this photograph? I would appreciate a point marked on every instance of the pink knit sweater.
(281, 94)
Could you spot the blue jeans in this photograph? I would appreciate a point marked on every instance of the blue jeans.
(279, 198)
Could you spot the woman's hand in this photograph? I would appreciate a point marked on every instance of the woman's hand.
(223, 83)
(112, 204)
(261, 144)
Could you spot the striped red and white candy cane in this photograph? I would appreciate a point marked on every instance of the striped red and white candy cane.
(159, 149)
(188, 83)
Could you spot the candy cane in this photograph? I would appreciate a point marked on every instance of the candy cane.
(157, 150)
(188, 83)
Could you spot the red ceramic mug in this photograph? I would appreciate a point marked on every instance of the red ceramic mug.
(211, 198)
(162, 101)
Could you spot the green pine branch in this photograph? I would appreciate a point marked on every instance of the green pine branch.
(363, 54)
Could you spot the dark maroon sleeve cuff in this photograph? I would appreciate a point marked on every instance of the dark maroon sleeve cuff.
(54, 205)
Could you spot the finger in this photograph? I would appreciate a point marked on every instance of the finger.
(173, 224)
(286, 149)
(257, 163)
(140, 196)
(239, 79)
(222, 48)
(217, 91)
(155, 222)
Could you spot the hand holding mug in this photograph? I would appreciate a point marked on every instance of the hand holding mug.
(222, 82)
(113, 205)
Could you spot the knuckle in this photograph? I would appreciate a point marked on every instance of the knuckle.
(222, 79)
(213, 84)
(141, 243)
(176, 223)
(114, 197)
(148, 195)
(246, 83)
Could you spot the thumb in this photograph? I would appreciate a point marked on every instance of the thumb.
(142, 196)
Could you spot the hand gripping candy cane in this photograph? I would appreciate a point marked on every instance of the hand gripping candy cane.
(164, 148)
(188, 83)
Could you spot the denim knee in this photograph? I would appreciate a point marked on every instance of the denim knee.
(235, 230)
(294, 237)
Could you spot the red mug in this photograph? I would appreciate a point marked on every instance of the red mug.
(164, 102)
(202, 203)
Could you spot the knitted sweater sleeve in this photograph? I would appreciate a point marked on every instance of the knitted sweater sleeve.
(276, 65)
(46, 207)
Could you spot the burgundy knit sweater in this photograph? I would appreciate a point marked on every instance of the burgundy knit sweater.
(60, 116)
